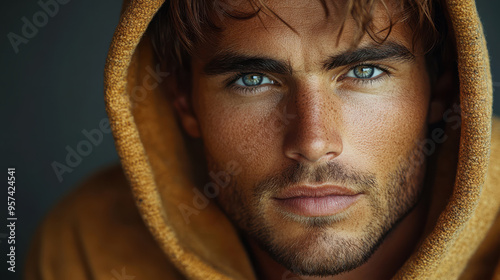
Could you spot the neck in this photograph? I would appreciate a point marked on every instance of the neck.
(383, 264)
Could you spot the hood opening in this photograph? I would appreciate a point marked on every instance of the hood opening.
(164, 175)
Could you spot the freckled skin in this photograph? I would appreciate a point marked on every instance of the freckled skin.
(367, 128)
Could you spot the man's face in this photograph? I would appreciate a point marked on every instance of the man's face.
(325, 135)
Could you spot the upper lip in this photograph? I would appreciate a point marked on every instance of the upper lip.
(314, 191)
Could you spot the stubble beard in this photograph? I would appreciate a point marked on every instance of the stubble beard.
(320, 251)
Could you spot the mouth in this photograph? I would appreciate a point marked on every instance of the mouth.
(316, 201)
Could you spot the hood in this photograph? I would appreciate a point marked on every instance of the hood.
(155, 157)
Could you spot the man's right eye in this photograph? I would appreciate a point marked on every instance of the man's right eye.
(365, 72)
(253, 79)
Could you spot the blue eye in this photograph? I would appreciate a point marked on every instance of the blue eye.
(364, 72)
(252, 80)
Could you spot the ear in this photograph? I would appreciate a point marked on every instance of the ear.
(441, 92)
(181, 99)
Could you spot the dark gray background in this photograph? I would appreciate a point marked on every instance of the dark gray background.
(53, 89)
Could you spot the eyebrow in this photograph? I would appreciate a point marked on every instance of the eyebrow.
(228, 62)
(231, 62)
(391, 50)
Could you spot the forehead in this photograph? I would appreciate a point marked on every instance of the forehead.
(313, 29)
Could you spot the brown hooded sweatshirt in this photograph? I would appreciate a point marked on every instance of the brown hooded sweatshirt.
(125, 223)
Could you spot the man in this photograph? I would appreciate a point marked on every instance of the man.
(290, 140)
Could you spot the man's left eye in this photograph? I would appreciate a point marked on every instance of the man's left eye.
(253, 79)
(364, 72)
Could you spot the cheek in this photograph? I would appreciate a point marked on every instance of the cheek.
(383, 130)
(243, 133)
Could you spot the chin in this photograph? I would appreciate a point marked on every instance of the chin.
(322, 246)
(318, 250)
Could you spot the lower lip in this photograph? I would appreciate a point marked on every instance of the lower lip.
(318, 206)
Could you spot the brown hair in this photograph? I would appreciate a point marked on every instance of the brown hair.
(181, 24)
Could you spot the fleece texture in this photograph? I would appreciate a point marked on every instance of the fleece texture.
(126, 220)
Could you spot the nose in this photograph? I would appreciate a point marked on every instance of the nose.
(313, 135)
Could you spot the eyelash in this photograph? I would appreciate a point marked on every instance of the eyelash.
(252, 90)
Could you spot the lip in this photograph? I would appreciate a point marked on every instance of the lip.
(317, 201)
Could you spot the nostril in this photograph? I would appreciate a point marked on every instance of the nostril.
(331, 155)
(312, 149)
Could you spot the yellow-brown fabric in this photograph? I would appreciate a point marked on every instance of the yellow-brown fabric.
(129, 223)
